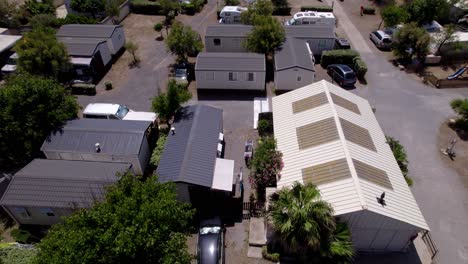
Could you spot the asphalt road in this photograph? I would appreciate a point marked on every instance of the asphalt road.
(413, 112)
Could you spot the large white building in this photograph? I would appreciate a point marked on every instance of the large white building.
(331, 138)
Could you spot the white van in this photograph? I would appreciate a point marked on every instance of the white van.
(312, 18)
(10, 66)
(117, 111)
(231, 14)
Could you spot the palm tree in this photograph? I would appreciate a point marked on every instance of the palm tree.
(302, 220)
(340, 249)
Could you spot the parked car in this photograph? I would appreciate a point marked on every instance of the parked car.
(342, 74)
(182, 73)
(210, 249)
(381, 39)
(116, 111)
(342, 43)
(248, 151)
(10, 66)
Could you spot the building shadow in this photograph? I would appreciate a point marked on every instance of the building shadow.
(229, 95)
(408, 257)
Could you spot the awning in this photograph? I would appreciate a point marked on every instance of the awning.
(223, 175)
(81, 61)
(8, 41)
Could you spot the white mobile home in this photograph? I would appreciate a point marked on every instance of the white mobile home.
(313, 18)
(319, 38)
(228, 70)
(331, 138)
(226, 38)
(231, 14)
(112, 34)
(294, 65)
(104, 140)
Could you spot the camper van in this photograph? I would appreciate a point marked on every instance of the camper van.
(312, 18)
(231, 14)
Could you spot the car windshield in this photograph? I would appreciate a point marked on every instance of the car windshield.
(387, 40)
(210, 230)
(292, 21)
(180, 72)
(122, 112)
(350, 75)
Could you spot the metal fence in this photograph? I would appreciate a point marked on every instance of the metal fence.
(253, 210)
(426, 237)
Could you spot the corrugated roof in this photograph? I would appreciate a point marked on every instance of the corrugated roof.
(293, 53)
(190, 155)
(87, 30)
(230, 61)
(228, 30)
(84, 47)
(347, 194)
(116, 137)
(309, 102)
(61, 183)
(306, 31)
(326, 172)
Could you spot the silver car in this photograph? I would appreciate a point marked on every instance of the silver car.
(381, 39)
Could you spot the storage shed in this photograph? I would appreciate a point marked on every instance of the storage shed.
(229, 70)
(294, 65)
(101, 140)
(112, 34)
(331, 138)
(192, 156)
(226, 37)
(319, 39)
(45, 190)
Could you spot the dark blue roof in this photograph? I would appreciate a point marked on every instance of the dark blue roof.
(190, 154)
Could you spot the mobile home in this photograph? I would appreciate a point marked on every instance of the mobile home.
(231, 14)
(318, 38)
(226, 38)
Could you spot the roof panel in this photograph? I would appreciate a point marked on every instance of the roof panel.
(357, 134)
(230, 61)
(317, 133)
(326, 172)
(372, 174)
(81, 46)
(338, 100)
(309, 103)
(87, 30)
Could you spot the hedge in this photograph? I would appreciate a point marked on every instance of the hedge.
(338, 56)
(369, 10)
(317, 8)
(145, 7)
(282, 11)
(360, 67)
(265, 124)
(273, 257)
(83, 88)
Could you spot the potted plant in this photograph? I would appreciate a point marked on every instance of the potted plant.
(108, 85)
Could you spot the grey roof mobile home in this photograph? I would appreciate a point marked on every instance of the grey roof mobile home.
(226, 37)
(319, 39)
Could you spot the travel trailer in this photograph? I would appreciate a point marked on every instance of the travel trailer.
(312, 18)
(231, 14)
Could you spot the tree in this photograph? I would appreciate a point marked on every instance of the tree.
(93, 7)
(266, 164)
(447, 35)
(168, 8)
(182, 40)
(32, 107)
(266, 36)
(166, 105)
(43, 21)
(411, 41)
(257, 8)
(9, 14)
(425, 11)
(301, 219)
(14, 255)
(112, 9)
(132, 49)
(138, 222)
(40, 53)
(460, 106)
(393, 15)
(400, 155)
(340, 248)
(33, 7)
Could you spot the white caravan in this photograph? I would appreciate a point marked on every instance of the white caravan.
(231, 14)
(312, 18)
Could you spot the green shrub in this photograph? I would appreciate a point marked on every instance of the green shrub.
(33, 7)
(317, 8)
(338, 57)
(460, 106)
(20, 236)
(108, 85)
(265, 124)
(43, 20)
(369, 10)
(145, 7)
(408, 180)
(360, 67)
(15, 255)
(83, 88)
(274, 257)
(76, 19)
(158, 150)
(157, 27)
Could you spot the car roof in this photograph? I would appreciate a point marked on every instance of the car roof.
(382, 33)
(101, 108)
(208, 246)
(345, 68)
(214, 221)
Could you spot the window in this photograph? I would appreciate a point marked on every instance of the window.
(209, 76)
(217, 42)
(22, 212)
(233, 76)
(47, 211)
(299, 78)
(250, 77)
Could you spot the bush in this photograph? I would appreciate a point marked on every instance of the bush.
(408, 180)
(460, 106)
(145, 7)
(360, 67)
(76, 19)
(16, 255)
(20, 236)
(266, 164)
(156, 156)
(274, 257)
(33, 7)
(265, 124)
(83, 88)
(157, 27)
(369, 10)
(108, 85)
(338, 57)
(317, 8)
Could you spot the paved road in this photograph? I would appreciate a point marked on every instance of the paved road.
(412, 112)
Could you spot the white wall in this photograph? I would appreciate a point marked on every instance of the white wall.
(117, 41)
(221, 80)
(37, 217)
(288, 79)
(228, 44)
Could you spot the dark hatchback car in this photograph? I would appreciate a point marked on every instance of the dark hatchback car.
(342, 74)
(211, 242)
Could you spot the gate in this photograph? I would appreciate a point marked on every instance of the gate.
(253, 210)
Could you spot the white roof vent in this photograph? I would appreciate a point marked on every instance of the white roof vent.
(97, 147)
